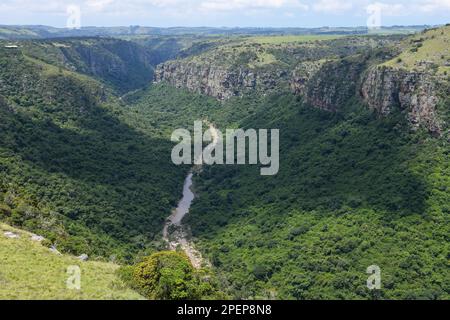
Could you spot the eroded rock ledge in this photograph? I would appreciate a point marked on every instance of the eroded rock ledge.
(216, 81)
(386, 88)
(325, 84)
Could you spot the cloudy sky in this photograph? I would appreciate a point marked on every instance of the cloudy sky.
(230, 13)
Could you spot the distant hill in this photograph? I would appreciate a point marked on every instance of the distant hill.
(43, 32)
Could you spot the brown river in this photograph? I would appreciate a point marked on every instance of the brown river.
(175, 233)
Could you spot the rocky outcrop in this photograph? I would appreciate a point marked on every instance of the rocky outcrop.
(124, 64)
(302, 74)
(215, 80)
(328, 85)
(384, 89)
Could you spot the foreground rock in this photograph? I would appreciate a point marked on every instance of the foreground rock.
(37, 238)
(83, 257)
(11, 235)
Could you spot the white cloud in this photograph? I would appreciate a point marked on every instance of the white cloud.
(332, 6)
(98, 5)
(430, 6)
(225, 12)
(389, 9)
(409, 8)
(229, 5)
(33, 6)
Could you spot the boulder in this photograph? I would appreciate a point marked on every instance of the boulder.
(11, 235)
(37, 238)
(83, 257)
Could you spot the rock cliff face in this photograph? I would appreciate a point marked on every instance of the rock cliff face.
(217, 81)
(384, 89)
(123, 64)
(127, 66)
(232, 69)
(326, 81)
(328, 85)
(302, 75)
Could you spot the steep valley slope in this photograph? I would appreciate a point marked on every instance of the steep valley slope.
(364, 148)
(72, 168)
(364, 170)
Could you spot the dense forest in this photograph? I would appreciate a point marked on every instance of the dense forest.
(364, 176)
(353, 190)
(72, 170)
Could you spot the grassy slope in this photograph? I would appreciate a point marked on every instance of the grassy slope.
(432, 46)
(283, 51)
(290, 39)
(29, 270)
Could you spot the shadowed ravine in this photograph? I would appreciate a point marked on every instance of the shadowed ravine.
(174, 232)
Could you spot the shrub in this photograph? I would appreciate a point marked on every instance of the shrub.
(164, 275)
(5, 211)
(170, 275)
(261, 272)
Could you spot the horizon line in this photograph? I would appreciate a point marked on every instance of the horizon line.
(221, 27)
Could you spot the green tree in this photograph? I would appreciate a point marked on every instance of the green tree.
(169, 276)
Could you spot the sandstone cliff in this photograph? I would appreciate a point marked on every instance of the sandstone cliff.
(415, 93)
(236, 68)
(221, 82)
(326, 74)
(328, 85)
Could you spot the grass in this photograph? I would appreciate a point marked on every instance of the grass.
(291, 39)
(51, 70)
(30, 271)
(430, 47)
(264, 58)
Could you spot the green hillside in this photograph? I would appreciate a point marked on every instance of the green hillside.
(72, 169)
(352, 191)
(85, 162)
(429, 51)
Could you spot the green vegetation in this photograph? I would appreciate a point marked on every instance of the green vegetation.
(352, 191)
(124, 65)
(170, 276)
(290, 39)
(29, 270)
(91, 172)
(429, 50)
(72, 170)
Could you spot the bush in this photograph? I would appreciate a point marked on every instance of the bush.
(170, 275)
(164, 275)
(5, 211)
(126, 273)
(261, 272)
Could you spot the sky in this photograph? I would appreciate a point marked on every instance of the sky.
(224, 13)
